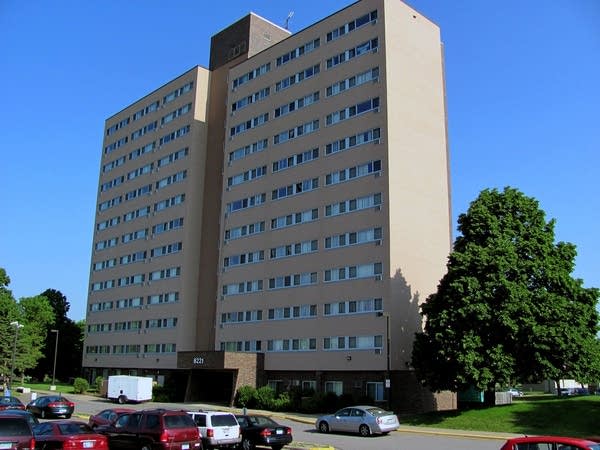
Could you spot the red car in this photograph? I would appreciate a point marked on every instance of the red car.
(549, 443)
(16, 433)
(68, 434)
(108, 416)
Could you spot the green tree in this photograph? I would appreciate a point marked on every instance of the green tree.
(508, 309)
(70, 346)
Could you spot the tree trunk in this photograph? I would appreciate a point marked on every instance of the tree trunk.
(489, 397)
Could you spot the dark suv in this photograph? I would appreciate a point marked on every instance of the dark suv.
(16, 433)
(153, 429)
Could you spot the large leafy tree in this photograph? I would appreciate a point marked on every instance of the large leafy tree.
(508, 308)
(70, 346)
(22, 329)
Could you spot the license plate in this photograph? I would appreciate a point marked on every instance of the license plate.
(185, 446)
(5, 444)
(279, 432)
(88, 444)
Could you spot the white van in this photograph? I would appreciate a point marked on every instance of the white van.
(217, 428)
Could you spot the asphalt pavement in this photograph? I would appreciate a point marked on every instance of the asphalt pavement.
(296, 417)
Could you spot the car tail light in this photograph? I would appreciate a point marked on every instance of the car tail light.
(210, 433)
(32, 443)
(53, 404)
(265, 433)
(101, 443)
(70, 443)
(71, 404)
(288, 430)
(164, 436)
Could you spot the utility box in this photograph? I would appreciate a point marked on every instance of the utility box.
(127, 388)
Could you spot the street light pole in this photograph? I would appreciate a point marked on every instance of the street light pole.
(388, 340)
(55, 353)
(17, 325)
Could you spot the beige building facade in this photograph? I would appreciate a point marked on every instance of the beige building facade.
(279, 217)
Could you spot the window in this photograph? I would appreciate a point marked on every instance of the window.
(295, 132)
(352, 53)
(248, 150)
(248, 175)
(292, 345)
(352, 82)
(334, 386)
(353, 141)
(171, 158)
(163, 274)
(178, 92)
(244, 258)
(145, 129)
(251, 75)
(298, 248)
(241, 316)
(295, 189)
(299, 103)
(166, 250)
(297, 52)
(291, 281)
(176, 113)
(299, 158)
(248, 202)
(352, 272)
(171, 179)
(170, 202)
(352, 238)
(174, 135)
(294, 219)
(362, 306)
(353, 205)
(292, 312)
(157, 299)
(245, 230)
(352, 25)
(245, 101)
(351, 111)
(142, 151)
(375, 391)
(167, 226)
(353, 172)
(245, 287)
(249, 124)
(305, 74)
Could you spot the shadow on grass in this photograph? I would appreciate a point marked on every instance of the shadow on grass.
(571, 416)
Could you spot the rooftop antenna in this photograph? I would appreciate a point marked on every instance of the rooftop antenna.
(287, 20)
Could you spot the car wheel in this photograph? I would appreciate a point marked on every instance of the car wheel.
(364, 430)
(122, 399)
(277, 447)
(145, 447)
(323, 427)
(68, 416)
(247, 444)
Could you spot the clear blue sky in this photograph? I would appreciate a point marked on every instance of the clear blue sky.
(523, 88)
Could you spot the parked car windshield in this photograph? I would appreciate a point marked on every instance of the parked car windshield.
(223, 420)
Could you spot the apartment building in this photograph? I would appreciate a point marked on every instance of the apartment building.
(278, 217)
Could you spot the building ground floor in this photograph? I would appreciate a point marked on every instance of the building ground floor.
(216, 376)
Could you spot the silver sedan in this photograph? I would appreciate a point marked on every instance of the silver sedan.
(365, 420)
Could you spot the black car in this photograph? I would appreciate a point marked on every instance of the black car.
(262, 430)
(51, 406)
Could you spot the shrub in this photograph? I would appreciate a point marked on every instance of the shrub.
(282, 403)
(80, 386)
(47, 379)
(166, 393)
(265, 397)
(98, 383)
(244, 397)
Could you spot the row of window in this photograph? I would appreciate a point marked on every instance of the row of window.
(170, 322)
(307, 48)
(373, 270)
(145, 169)
(363, 306)
(306, 344)
(136, 153)
(150, 108)
(137, 279)
(300, 248)
(134, 302)
(128, 349)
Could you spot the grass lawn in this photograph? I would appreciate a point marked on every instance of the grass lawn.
(568, 416)
(62, 388)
